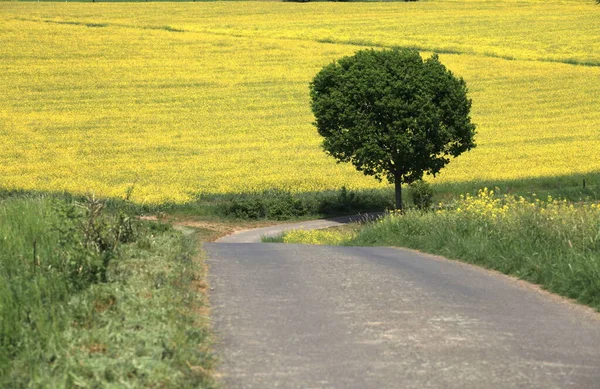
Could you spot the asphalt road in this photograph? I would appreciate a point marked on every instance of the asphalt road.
(255, 235)
(295, 316)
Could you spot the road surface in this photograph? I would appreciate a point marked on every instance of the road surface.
(299, 316)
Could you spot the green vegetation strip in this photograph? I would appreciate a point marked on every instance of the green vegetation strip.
(89, 299)
(552, 243)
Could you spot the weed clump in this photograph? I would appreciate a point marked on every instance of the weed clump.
(422, 195)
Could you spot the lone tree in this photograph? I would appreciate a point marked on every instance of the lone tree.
(391, 114)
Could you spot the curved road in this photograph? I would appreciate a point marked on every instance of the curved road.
(296, 316)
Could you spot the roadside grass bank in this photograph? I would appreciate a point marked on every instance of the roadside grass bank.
(95, 298)
(553, 243)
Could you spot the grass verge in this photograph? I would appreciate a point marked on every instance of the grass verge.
(552, 243)
(77, 314)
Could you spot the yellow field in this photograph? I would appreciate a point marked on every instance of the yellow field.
(184, 98)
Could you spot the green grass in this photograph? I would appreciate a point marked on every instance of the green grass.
(284, 205)
(140, 322)
(568, 187)
(552, 243)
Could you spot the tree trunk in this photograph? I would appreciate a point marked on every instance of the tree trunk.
(398, 184)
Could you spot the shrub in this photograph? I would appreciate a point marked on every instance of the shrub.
(278, 204)
(422, 194)
(274, 204)
(89, 238)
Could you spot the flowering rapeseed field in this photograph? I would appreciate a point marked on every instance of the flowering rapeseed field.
(187, 98)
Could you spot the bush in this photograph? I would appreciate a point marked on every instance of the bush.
(422, 194)
(347, 201)
(273, 204)
(89, 238)
(278, 204)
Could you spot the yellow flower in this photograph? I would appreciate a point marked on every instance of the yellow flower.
(217, 101)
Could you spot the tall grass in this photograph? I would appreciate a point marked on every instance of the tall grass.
(33, 282)
(89, 299)
(50, 250)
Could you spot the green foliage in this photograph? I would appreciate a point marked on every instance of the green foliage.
(346, 202)
(271, 204)
(422, 194)
(49, 250)
(90, 298)
(142, 328)
(89, 238)
(277, 204)
(391, 114)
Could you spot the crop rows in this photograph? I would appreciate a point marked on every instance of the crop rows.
(182, 99)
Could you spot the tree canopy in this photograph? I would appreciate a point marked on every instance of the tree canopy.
(392, 114)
